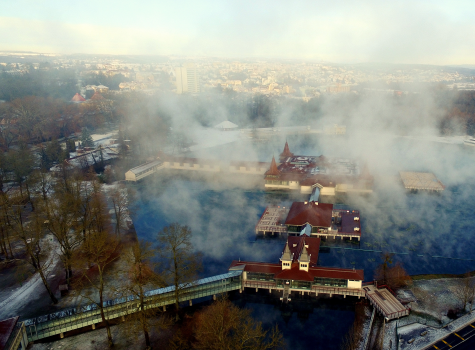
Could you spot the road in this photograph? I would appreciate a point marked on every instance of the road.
(463, 339)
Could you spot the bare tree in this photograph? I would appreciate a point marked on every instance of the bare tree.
(225, 326)
(141, 275)
(91, 283)
(39, 252)
(45, 183)
(397, 276)
(61, 214)
(181, 262)
(381, 273)
(464, 291)
(118, 197)
(5, 226)
(22, 163)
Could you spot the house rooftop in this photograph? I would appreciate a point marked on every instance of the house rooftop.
(297, 244)
(294, 273)
(6, 329)
(313, 213)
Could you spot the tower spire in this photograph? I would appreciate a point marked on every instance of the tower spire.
(286, 153)
(273, 168)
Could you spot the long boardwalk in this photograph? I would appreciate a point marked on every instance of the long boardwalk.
(88, 316)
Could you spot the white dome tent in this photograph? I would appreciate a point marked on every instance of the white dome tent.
(226, 126)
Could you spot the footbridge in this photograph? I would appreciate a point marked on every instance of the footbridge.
(89, 315)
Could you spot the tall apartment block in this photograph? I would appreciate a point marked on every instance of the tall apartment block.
(187, 79)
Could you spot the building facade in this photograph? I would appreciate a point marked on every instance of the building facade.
(187, 79)
(307, 173)
(298, 271)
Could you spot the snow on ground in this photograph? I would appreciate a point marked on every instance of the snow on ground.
(29, 290)
(429, 301)
(98, 340)
(390, 341)
(433, 299)
(126, 218)
(366, 329)
(417, 331)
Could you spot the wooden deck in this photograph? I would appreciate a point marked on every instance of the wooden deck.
(272, 221)
(421, 181)
(385, 302)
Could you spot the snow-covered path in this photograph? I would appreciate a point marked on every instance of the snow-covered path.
(28, 290)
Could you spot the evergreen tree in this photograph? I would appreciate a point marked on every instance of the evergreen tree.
(70, 146)
(86, 138)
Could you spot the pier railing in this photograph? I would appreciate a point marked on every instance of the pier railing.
(89, 315)
(316, 289)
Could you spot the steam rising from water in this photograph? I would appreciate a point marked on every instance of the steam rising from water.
(223, 214)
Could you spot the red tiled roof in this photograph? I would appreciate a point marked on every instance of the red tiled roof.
(97, 96)
(78, 98)
(300, 275)
(6, 329)
(273, 168)
(295, 274)
(258, 266)
(334, 272)
(313, 247)
(315, 214)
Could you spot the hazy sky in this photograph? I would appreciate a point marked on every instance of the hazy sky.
(399, 31)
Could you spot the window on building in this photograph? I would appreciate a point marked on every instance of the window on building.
(301, 284)
(330, 282)
(294, 228)
(257, 276)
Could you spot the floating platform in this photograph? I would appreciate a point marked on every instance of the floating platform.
(414, 181)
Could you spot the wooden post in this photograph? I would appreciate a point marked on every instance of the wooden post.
(164, 308)
(61, 335)
(190, 302)
(93, 326)
(257, 289)
(270, 290)
(214, 297)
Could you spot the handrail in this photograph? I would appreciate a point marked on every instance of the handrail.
(118, 301)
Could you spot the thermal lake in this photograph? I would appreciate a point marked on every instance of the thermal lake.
(428, 233)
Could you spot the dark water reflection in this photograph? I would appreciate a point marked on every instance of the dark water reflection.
(428, 233)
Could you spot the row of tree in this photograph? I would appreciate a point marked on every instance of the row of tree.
(34, 119)
(70, 220)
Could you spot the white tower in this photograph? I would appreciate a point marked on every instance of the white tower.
(187, 79)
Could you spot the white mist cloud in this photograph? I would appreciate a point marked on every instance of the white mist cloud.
(434, 32)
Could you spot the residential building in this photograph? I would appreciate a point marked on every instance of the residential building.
(187, 79)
